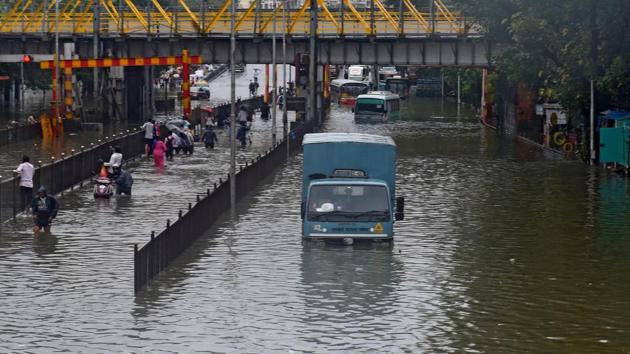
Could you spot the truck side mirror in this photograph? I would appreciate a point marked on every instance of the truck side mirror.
(400, 209)
(302, 210)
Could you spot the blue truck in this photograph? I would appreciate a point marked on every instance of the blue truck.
(348, 189)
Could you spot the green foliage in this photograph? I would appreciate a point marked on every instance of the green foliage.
(33, 77)
(560, 45)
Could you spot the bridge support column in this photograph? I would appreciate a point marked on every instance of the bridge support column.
(135, 104)
(68, 100)
(54, 94)
(186, 83)
(375, 77)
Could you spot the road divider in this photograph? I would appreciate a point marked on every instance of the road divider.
(200, 215)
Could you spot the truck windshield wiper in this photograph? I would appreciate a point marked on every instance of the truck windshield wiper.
(371, 213)
(318, 215)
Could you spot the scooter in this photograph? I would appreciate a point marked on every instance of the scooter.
(103, 185)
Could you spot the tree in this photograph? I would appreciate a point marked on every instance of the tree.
(560, 44)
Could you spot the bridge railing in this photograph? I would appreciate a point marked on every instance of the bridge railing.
(177, 21)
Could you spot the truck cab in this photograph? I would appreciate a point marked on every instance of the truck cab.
(349, 187)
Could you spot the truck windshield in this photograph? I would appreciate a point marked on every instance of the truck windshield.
(348, 202)
(370, 106)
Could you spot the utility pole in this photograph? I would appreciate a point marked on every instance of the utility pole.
(57, 59)
(95, 48)
(274, 74)
(22, 86)
(312, 65)
(459, 87)
(285, 117)
(232, 112)
(592, 125)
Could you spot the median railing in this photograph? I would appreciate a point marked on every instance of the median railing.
(162, 249)
(67, 171)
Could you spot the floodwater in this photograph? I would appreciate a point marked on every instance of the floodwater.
(44, 150)
(503, 249)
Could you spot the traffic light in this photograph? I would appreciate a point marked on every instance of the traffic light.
(27, 59)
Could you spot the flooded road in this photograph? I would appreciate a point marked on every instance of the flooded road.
(43, 150)
(503, 249)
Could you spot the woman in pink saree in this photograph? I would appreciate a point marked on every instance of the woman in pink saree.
(159, 151)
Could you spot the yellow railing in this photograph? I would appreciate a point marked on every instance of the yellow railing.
(28, 16)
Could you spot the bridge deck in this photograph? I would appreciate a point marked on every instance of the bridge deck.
(217, 22)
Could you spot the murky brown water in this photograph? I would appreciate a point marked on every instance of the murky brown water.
(503, 249)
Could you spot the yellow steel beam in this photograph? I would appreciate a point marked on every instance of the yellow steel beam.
(138, 14)
(87, 17)
(264, 25)
(322, 4)
(69, 14)
(163, 12)
(247, 13)
(63, 16)
(10, 14)
(448, 15)
(358, 16)
(218, 15)
(111, 10)
(297, 16)
(417, 15)
(191, 14)
(36, 14)
(17, 16)
(387, 15)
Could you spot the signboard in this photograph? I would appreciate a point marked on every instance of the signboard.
(4, 78)
(554, 114)
(297, 104)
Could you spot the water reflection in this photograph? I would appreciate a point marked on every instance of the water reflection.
(45, 244)
(348, 289)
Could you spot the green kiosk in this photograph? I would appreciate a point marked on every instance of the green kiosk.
(614, 138)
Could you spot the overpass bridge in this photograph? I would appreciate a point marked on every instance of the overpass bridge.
(380, 34)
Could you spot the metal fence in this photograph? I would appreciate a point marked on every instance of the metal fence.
(162, 249)
(19, 133)
(60, 174)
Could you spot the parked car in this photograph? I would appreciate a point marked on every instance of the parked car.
(200, 91)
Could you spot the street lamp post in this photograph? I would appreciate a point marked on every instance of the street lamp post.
(274, 84)
(285, 120)
(57, 60)
(232, 111)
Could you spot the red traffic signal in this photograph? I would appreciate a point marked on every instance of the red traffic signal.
(27, 59)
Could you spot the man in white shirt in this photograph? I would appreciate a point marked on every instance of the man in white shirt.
(26, 171)
(115, 160)
(149, 134)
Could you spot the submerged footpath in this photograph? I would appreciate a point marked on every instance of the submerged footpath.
(87, 255)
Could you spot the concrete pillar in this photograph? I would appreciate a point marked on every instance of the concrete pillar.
(146, 94)
(375, 76)
(134, 89)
